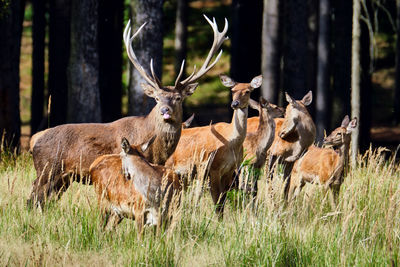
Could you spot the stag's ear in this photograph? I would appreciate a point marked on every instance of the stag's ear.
(227, 81)
(289, 98)
(256, 82)
(254, 104)
(307, 99)
(126, 147)
(189, 89)
(187, 122)
(148, 90)
(147, 144)
(345, 121)
(352, 125)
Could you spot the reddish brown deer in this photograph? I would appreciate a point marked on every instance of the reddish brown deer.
(64, 153)
(324, 165)
(127, 185)
(225, 140)
(259, 141)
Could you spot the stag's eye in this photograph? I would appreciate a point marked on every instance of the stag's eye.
(178, 98)
(157, 98)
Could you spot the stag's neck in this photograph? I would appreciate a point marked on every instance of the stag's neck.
(239, 125)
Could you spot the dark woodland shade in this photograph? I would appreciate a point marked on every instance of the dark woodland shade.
(59, 49)
(10, 44)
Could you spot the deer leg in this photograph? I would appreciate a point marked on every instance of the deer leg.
(286, 177)
(271, 164)
(334, 194)
(113, 220)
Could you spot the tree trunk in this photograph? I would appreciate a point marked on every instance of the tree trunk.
(312, 51)
(181, 34)
(342, 58)
(38, 38)
(59, 49)
(397, 88)
(10, 45)
(355, 77)
(83, 79)
(323, 77)
(271, 53)
(110, 58)
(148, 45)
(295, 48)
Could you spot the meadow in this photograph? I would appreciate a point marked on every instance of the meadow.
(364, 228)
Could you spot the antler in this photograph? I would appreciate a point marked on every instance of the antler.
(153, 81)
(219, 38)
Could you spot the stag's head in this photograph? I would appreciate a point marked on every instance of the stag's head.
(342, 134)
(241, 91)
(169, 98)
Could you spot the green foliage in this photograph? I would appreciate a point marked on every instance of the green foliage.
(363, 229)
(4, 8)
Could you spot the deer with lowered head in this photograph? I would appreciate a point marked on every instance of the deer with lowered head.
(259, 141)
(325, 165)
(64, 153)
(222, 141)
(128, 186)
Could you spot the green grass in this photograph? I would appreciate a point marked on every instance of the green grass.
(363, 230)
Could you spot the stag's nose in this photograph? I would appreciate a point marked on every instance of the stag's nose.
(164, 110)
(235, 104)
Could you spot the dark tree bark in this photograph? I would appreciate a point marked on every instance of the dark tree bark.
(296, 48)
(38, 39)
(181, 33)
(271, 50)
(312, 52)
(397, 88)
(110, 58)
(10, 45)
(148, 45)
(59, 47)
(323, 76)
(246, 39)
(341, 58)
(83, 70)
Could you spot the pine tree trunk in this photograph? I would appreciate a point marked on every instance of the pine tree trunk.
(181, 34)
(38, 38)
(312, 50)
(342, 32)
(397, 88)
(323, 76)
(271, 53)
(296, 48)
(148, 45)
(355, 77)
(110, 58)
(83, 69)
(59, 50)
(10, 45)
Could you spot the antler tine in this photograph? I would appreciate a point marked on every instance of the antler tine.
(131, 54)
(178, 78)
(219, 38)
(153, 74)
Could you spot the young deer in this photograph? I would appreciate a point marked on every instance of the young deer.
(64, 153)
(324, 165)
(222, 140)
(127, 185)
(258, 141)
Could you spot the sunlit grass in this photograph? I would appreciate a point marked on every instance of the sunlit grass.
(364, 229)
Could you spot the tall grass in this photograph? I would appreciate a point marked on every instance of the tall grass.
(364, 228)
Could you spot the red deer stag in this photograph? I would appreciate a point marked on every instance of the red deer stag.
(64, 153)
(324, 165)
(127, 185)
(222, 140)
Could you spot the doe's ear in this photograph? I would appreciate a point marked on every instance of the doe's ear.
(256, 82)
(263, 102)
(227, 81)
(345, 121)
(147, 144)
(189, 89)
(148, 90)
(254, 104)
(187, 122)
(307, 99)
(126, 147)
(352, 125)
(289, 98)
